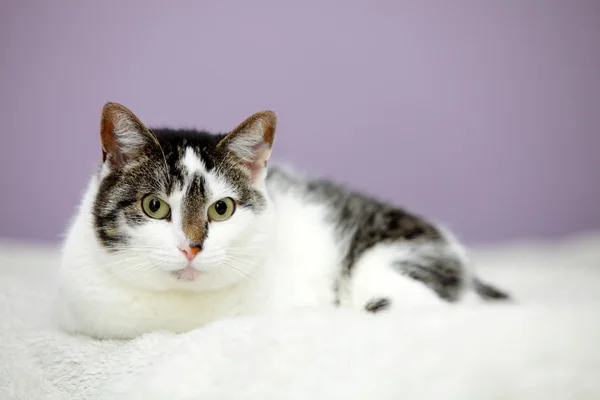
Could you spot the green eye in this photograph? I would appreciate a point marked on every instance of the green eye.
(222, 209)
(155, 207)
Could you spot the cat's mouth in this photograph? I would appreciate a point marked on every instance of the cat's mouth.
(188, 273)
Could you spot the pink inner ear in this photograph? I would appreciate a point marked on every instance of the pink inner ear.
(257, 166)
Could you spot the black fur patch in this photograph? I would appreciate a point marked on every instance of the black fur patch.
(444, 274)
(377, 305)
(488, 292)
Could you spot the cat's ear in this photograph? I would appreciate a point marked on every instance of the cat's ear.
(251, 142)
(123, 135)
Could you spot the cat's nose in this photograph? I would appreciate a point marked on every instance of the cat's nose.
(190, 252)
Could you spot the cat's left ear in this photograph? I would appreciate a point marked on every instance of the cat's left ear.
(251, 142)
(124, 137)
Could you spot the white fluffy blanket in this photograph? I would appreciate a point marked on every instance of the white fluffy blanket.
(544, 346)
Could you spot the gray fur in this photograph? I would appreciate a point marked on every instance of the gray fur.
(362, 222)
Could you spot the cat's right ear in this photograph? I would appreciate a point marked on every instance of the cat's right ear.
(123, 135)
(251, 142)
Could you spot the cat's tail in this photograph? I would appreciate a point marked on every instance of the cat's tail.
(489, 292)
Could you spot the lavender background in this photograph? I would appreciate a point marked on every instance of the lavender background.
(481, 114)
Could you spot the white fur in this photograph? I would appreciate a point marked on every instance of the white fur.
(288, 256)
(544, 346)
(193, 163)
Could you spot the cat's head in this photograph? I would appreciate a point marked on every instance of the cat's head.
(182, 209)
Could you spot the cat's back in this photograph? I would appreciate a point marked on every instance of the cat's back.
(345, 211)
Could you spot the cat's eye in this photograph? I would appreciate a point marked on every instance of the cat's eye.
(155, 207)
(222, 209)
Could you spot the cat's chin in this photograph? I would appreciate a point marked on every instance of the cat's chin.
(188, 273)
(187, 279)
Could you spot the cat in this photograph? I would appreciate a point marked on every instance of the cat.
(179, 228)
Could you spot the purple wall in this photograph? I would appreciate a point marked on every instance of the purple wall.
(482, 114)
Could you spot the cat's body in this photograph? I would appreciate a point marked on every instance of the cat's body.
(290, 241)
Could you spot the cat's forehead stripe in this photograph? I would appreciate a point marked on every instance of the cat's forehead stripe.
(196, 187)
(192, 163)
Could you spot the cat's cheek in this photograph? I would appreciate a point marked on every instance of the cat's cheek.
(223, 235)
(160, 245)
(153, 233)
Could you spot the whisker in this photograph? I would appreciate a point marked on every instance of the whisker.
(241, 268)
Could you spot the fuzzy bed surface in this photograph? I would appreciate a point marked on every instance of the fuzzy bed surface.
(544, 345)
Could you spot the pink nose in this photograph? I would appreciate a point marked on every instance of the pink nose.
(190, 252)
